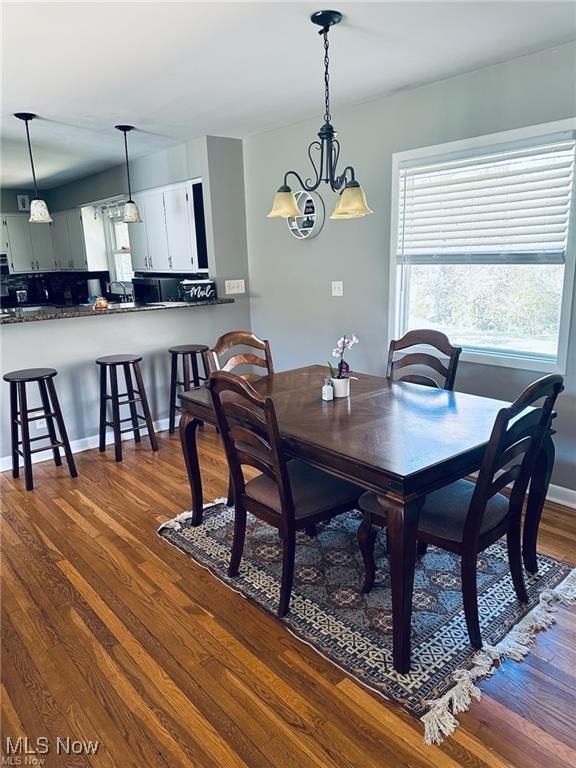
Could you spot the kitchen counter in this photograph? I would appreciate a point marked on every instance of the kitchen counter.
(30, 314)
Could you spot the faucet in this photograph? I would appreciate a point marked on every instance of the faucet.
(117, 282)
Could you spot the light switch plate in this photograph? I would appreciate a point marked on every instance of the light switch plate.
(337, 288)
(234, 286)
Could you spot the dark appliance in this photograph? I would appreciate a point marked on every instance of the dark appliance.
(151, 289)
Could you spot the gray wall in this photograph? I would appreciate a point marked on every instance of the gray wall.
(8, 201)
(290, 280)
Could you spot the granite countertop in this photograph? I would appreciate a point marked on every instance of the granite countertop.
(29, 314)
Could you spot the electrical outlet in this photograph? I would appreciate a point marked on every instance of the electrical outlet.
(41, 425)
(234, 286)
(337, 288)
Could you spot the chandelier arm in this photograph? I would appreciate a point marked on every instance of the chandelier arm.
(341, 180)
(317, 169)
(334, 156)
(307, 187)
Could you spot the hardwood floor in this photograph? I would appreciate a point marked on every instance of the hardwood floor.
(109, 634)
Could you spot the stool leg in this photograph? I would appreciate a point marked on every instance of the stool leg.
(173, 379)
(116, 413)
(103, 393)
(195, 374)
(25, 435)
(133, 410)
(146, 408)
(186, 361)
(14, 429)
(62, 428)
(49, 421)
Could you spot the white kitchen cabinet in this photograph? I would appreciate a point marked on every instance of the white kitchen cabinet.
(42, 248)
(165, 241)
(61, 240)
(138, 240)
(77, 245)
(16, 235)
(179, 229)
(156, 235)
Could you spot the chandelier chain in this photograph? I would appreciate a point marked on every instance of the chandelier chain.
(327, 115)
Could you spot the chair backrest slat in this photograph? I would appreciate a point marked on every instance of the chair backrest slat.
(214, 358)
(250, 433)
(424, 337)
(516, 439)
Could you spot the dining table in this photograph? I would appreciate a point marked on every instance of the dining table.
(399, 439)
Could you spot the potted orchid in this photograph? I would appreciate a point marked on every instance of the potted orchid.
(340, 375)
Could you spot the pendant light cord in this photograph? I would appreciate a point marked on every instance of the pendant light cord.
(127, 164)
(31, 159)
(327, 115)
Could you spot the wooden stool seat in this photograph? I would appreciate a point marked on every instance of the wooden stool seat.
(184, 349)
(189, 354)
(20, 418)
(30, 374)
(133, 395)
(118, 359)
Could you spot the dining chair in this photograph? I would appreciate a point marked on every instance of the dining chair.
(214, 357)
(425, 337)
(289, 495)
(467, 517)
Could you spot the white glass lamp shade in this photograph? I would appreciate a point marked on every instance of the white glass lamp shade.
(131, 213)
(284, 204)
(351, 203)
(39, 213)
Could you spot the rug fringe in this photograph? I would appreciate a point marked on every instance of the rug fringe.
(176, 523)
(440, 721)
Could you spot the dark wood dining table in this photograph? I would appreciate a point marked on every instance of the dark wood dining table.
(399, 439)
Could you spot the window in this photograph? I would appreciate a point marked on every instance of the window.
(120, 243)
(480, 245)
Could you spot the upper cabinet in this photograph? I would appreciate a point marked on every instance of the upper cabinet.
(29, 246)
(167, 238)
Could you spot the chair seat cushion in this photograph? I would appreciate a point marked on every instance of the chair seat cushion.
(444, 512)
(313, 491)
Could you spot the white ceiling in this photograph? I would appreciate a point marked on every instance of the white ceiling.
(178, 70)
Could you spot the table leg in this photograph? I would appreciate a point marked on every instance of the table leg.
(366, 538)
(402, 517)
(187, 429)
(536, 498)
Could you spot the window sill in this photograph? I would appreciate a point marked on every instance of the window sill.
(511, 361)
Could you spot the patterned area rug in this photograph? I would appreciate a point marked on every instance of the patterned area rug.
(354, 631)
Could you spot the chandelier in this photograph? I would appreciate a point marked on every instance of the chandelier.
(324, 154)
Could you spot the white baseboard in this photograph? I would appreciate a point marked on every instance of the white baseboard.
(560, 495)
(556, 493)
(84, 444)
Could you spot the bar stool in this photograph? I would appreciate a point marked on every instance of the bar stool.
(20, 417)
(189, 354)
(130, 364)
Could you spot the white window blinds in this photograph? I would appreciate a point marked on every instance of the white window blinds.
(497, 206)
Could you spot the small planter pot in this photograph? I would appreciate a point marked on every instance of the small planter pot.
(341, 387)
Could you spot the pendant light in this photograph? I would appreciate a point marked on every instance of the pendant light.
(131, 212)
(351, 202)
(39, 213)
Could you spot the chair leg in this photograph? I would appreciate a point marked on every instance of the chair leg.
(145, 406)
(470, 599)
(62, 428)
(131, 395)
(366, 540)
(230, 499)
(173, 379)
(421, 548)
(14, 428)
(49, 421)
(238, 542)
(103, 393)
(24, 426)
(515, 560)
(288, 555)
